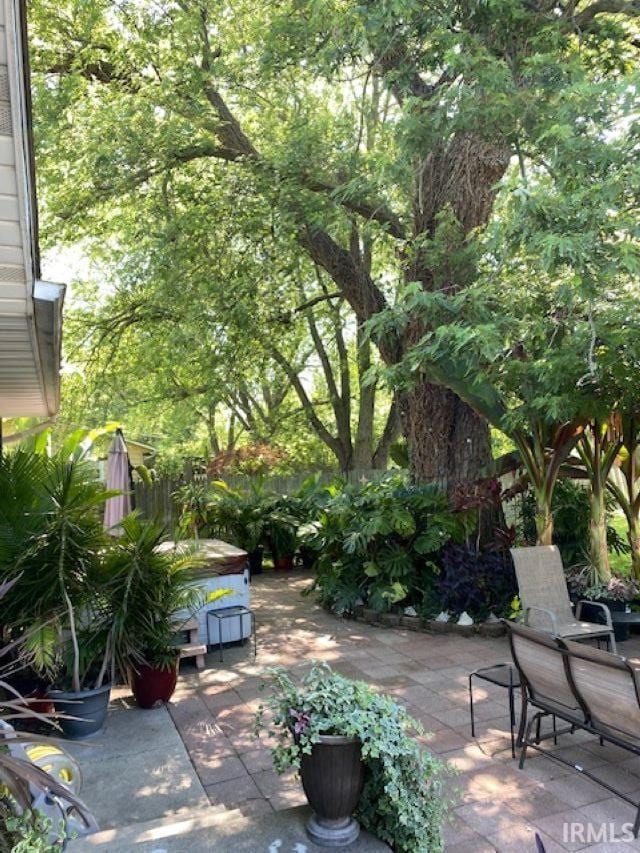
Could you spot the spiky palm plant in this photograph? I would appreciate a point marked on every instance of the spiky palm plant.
(51, 540)
(20, 780)
(147, 587)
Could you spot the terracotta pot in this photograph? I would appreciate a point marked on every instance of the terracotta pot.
(283, 563)
(333, 778)
(152, 686)
(38, 701)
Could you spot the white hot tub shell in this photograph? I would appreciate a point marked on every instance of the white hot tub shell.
(225, 568)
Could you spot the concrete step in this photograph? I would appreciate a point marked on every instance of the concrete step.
(208, 830)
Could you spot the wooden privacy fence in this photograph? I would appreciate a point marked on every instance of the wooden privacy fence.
(157, 499)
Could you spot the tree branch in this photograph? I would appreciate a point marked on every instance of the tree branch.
(359, 289)
(310, 303)
(316, 424)
(582, 20)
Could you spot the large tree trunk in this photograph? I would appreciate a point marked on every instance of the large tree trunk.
(448, 442)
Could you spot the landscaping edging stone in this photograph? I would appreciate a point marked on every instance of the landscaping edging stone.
(429, 626)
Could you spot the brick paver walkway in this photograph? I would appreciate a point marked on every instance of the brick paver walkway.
(498, 807)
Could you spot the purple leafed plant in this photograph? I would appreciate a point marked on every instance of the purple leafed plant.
(302, 721)
(478, 582)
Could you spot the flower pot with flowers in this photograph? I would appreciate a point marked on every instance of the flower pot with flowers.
(357, 760)
(617, 593)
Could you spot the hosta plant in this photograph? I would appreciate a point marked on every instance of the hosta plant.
(403, 802)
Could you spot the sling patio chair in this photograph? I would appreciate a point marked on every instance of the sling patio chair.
(588, 688)
(545, 598)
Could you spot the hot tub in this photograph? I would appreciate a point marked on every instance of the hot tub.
(225, 567)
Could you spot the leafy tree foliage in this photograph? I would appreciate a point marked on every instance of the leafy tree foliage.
(376, 136)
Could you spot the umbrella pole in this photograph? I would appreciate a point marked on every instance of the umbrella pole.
(129, 469)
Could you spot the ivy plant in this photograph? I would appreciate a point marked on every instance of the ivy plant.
(403, 802)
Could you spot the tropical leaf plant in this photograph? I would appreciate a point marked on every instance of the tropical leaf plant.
(377, 543)
(147, 586)
(51, 542)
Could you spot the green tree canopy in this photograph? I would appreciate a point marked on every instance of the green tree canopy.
(377, 137)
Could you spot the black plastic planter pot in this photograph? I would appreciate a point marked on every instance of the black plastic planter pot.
(88, 708)
(332, 778)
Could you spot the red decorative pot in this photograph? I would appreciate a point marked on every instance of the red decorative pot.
(152, 686)
(38, 701)
(284, 563)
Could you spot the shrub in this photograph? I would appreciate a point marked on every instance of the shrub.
(237, 515)
(403, 801)
(478, 582)
(378, 543)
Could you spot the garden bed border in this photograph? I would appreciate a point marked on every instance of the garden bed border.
(427, 626)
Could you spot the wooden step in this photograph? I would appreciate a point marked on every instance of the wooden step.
(193, 650)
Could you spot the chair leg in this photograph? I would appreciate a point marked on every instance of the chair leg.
(512, 721)
(612, 643)
(539, 720)
(636, 824)
(523, 717)
(523, 754)
(473, 724)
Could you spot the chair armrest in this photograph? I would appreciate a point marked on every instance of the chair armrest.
(603, 607)
(551, 616)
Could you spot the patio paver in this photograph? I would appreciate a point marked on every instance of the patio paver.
(499, 807)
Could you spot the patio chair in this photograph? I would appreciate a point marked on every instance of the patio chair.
(545, 598)
(588, 688)
(543, 678)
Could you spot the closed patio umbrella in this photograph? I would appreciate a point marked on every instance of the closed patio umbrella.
(118, 477)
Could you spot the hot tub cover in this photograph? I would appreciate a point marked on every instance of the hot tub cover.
(220, 557)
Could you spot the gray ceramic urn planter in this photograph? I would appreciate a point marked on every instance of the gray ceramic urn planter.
(333, 778)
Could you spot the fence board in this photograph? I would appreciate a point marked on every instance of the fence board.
(157, 500)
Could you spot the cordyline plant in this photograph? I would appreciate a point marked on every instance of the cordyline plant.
(403, 801)
(19, 778)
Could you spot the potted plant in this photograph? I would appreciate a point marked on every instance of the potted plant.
(58, 593)
(38, 811)
(149, 587)
(357, 759)
(618, 593)
(281, 528)
(240, 518)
